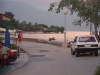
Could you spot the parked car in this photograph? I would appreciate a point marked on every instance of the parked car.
(84, 44)
(69, 44)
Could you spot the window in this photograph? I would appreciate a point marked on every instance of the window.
(87, 39)
(75, 39)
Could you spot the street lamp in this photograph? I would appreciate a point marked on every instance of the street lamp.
(65, 12)
(91, 29)
(64, 44)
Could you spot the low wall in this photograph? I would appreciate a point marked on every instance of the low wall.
(53, 42)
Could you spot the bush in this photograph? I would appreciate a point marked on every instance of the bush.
(13, 46)
(1, 38)
(97, 71)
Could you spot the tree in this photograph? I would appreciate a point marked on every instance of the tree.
(61, 29)
(14, 24)
(87, 10)
(9, 14)
(56, 29)
(23, 26)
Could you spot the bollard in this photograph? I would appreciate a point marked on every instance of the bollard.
(18, 51)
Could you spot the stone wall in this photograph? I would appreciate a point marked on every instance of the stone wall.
(53, 42)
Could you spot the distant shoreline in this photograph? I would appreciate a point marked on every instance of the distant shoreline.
(52, 32)
(58, 36)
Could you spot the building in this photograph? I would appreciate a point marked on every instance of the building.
(4, 17)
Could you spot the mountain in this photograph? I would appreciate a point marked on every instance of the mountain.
(28, 13)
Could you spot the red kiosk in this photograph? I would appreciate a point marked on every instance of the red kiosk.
(4, 17)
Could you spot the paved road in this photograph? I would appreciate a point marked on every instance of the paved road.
(53, 60)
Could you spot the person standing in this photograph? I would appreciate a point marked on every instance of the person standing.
(20, 37)
(3, 54)
(16, 37)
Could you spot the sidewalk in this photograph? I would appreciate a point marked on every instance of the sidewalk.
(51, 60)
(24, 57)
(22, 60)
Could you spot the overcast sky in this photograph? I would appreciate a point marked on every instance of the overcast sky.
(40, 4)
(44, 5)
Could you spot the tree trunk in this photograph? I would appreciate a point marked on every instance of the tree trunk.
(96, 31)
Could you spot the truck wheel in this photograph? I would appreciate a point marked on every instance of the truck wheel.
(77, 53)
(72, 52)
(96, 53)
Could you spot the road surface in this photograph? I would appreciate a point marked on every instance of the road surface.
(53, 60)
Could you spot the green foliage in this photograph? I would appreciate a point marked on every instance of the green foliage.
(1, 38)
(14, 24)
(13, 46)
(97, 71)
(9, 14)
(61, 29)
(40, 27)
(88, 10)
(56, 29)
